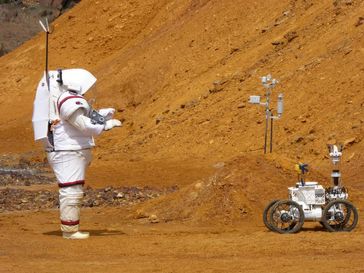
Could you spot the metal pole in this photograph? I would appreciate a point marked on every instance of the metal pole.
(267, 117)
(266, 130)
(46, 64)
(271, 135)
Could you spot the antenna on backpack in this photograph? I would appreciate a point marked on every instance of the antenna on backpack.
(45, 26)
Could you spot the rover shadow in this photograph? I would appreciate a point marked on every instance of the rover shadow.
(93, 232)
(314, 228)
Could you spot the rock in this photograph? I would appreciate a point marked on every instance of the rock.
(342, 2)
(219, 165)
(347, 50)
(350, 157)
(286, 13)
(290, 36)
(198, 185)
(276, 43)
(298, 139)
(311, 137)
(88, 203)
(153, 219)
(120, 195)
(358, 23)
(241, 105)
(356, 125)
(243, 211)
(234, 49)
(350, 141)
(218, 86)
(139, 214)
(158, 119)
(193, 195)
(191, 103)
(265, 29)
(205, 122)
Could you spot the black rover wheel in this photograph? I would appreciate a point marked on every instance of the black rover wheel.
(340, 215)
(286, 217)
(266, 214)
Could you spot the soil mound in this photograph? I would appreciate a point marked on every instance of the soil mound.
(237, 191)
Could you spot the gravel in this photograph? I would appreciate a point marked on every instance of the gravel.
(12, 199)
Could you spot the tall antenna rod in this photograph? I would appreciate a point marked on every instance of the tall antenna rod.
(45, 26)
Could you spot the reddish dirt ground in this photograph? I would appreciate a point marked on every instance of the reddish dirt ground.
(179, 74)
(31, 242)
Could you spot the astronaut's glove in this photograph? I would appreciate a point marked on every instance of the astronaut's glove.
(107, 113)
(111, 123)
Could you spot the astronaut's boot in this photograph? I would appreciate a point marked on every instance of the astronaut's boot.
(78, 235)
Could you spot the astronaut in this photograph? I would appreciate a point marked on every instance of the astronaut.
(70, 137)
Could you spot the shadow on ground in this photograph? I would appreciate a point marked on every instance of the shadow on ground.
(97, 232)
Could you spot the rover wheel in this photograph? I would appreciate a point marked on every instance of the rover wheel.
(266, 215)
(340, 215)
(286, 217)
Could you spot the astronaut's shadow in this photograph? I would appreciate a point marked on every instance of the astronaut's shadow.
(93, 232)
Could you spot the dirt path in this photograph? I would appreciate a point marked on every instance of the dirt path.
(31, 242)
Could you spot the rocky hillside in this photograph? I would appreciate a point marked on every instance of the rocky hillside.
(180, 73)
(19, 19)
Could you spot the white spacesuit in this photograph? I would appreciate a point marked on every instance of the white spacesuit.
(69, 138)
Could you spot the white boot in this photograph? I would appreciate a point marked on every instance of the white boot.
(76, 235)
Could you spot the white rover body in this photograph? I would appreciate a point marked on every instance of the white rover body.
(309, 201)
(310, 197)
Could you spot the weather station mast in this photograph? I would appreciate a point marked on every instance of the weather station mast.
(269, 83)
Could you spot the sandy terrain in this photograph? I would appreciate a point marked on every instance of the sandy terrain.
(31, 242)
